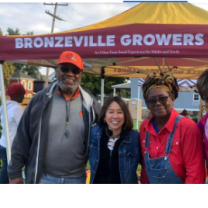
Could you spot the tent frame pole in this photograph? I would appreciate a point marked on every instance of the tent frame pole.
(102, 85)
(137, 120)
(114, 92)
(3, 101)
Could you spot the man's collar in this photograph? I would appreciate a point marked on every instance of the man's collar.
(67, 97)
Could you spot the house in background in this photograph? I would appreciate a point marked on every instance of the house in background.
(52, 76)
(39, 81)
(26, 80)
(188, 97)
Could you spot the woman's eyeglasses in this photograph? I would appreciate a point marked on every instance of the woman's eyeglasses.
(67, 69)
(153, 101)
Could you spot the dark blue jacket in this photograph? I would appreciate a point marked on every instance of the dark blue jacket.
(30, 142)
(129, 155)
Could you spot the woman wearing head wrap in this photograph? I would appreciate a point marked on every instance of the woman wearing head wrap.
(172, 145)
(16, 94)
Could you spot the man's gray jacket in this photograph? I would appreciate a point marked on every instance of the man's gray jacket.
(29, 145)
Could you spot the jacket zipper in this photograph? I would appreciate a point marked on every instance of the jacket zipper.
(88, 137)
(38, 149)
(110, 164)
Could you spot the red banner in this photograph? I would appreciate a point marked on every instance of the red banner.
(136, 40)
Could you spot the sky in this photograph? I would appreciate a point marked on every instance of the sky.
(31, 17)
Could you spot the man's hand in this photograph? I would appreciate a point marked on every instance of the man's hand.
(16, 181)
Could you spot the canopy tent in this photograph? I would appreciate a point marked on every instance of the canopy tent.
(167, 30)
(162, 32)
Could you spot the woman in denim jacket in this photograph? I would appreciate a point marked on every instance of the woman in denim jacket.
(114, 147)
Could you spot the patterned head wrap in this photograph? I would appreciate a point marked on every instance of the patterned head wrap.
(163, 81)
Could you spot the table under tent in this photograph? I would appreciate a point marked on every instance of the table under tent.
(148, 37)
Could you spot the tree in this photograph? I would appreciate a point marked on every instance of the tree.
(30, 69)
(109, 81)
(29, 33)
(13, 32)
(8, 69)
(93, 83)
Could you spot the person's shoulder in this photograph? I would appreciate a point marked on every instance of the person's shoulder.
(186, 122)
(134, 132)
(17, 107)
(85, 90)
(95, 131)
(204, 118)
(96, 128)
(40, 95)
(41, 92)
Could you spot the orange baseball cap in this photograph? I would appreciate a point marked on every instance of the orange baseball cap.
(71, 57)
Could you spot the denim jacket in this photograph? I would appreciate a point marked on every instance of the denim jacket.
(129, 155)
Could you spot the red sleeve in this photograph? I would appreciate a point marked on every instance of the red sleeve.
(143, 178)
(193, 153)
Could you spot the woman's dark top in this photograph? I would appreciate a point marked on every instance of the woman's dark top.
(108, 167)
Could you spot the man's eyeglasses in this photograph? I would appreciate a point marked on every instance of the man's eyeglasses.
(153, 101)
(67, 69)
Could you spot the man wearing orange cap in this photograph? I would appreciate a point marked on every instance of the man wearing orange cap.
(53, 136)
(16, 93)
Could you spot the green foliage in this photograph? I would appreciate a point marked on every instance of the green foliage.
(109, 81)
(29, 33)
(93, 83)
(8, 70)
(13, 32)
(1, 33)
(31, 69)
(195, 120)
(125, 93)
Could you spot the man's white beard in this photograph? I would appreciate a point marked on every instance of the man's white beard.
(64, 88)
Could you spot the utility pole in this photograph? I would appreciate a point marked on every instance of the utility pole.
(52, 28)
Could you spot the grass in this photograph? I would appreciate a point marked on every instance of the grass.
(135, 125)
(88, 167)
